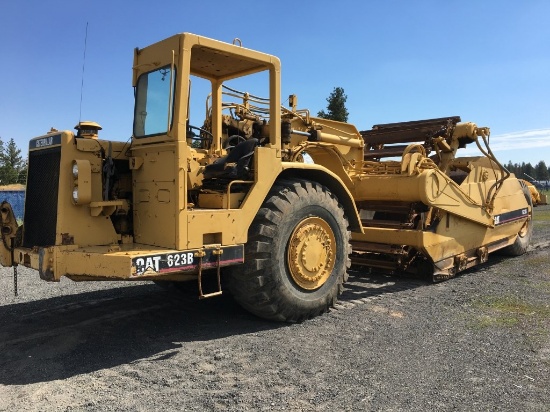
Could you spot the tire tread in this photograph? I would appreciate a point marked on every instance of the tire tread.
(255, 285)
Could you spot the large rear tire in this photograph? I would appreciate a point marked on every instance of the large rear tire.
(297, 254)
(519, 247)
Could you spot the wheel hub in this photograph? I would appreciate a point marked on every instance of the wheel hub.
(311, 253)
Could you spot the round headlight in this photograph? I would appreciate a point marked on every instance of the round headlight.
(75, 170)
(75, 195)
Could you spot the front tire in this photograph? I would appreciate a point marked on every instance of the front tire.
(297, 254)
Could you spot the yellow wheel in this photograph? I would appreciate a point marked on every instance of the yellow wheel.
(311, 253)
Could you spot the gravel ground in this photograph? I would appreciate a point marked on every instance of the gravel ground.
(480, 341)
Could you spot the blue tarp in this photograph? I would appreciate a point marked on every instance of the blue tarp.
(16, 199)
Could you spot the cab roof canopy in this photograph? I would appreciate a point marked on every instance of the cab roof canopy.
(222, 64)
(211, 59)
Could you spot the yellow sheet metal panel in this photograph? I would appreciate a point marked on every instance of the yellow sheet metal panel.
(204, 223)
(90, 229)
(156, 196)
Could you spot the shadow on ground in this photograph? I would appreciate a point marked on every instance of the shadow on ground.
(64, 336)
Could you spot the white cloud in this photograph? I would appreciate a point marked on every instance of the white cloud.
(527, 140)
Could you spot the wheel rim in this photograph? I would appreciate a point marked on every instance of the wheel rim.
(311, 253)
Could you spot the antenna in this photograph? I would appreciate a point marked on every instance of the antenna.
(83, 66)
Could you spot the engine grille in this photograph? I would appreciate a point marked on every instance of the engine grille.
(41, 197)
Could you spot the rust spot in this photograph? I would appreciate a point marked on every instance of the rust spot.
(67, 239)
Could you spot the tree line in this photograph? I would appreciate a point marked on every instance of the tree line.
(13, 167)
(529, 172)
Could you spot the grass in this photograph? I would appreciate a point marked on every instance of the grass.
(541, 215)
(544, 286)
(537, 260)
(509, 311)
(513, 313)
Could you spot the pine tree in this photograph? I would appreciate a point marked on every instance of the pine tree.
(528, 170)
(336, 106)
(541, 171)
(12, 165)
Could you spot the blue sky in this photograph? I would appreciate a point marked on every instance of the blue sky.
(486, 61)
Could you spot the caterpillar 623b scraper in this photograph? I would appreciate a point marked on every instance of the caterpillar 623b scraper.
(224, 183)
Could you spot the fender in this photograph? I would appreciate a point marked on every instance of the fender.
(329, 179)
